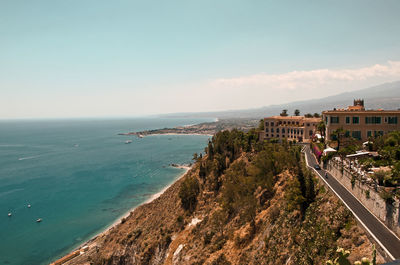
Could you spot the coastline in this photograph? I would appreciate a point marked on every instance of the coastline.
(90, 243)
(154, 134)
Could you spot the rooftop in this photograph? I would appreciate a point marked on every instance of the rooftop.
(378, 111)
(358, 106)
(294, 118)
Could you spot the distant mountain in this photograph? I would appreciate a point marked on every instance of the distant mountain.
(385, 96)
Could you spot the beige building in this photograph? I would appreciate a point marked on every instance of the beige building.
(296, 128)
(360, 123)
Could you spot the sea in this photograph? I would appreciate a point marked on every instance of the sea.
(79, 176)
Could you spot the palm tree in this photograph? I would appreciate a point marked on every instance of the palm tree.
(339, 134)
(321, 127)
(296, 112)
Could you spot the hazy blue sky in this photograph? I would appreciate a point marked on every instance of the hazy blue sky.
(75, 58)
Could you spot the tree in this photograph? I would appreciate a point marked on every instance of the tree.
(317, 115)
(284, 113)
(297, 112)
(261, 125)
(202, 171)
(308, 115)
(210, 151)
(338, 135)
(321, 127)
(188, 193)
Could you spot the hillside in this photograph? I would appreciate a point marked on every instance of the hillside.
(243, 203)
(386, 96)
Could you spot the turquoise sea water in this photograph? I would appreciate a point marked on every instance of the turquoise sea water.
(79, 176)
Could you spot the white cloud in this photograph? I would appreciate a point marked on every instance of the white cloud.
(318, 77)
(264, 89)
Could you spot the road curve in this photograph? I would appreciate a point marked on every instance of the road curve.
(384, 237)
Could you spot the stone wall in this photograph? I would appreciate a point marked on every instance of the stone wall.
(388, 213)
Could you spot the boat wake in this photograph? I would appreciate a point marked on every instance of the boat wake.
(28, 157)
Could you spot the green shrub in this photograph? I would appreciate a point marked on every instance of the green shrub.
(387, 196)
(353, 181)
(208, 237)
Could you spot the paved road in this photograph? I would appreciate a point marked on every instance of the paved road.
(379, 231)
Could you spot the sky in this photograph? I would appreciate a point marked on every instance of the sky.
(101, 58)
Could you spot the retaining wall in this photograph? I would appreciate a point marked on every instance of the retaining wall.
(388, 213)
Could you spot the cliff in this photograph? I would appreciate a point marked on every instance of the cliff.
(257, 205)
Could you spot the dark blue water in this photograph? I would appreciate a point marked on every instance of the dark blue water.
(79, 176)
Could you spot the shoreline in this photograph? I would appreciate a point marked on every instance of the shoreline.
(90, 242)
(154, 134)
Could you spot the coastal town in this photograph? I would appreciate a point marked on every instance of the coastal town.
(206, 128)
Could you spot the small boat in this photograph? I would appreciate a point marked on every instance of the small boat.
(140, 136)
(128, 141)
(76, 145)
(29, 206)
(9, 214)
(39, 220)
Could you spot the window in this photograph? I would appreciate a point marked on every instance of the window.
(283, 130)
(308, 124)
(356, 120)
(392, 120)
(326, 119)
(369, 133)
(266, 123)
(277, 130)
(310, 133)
(266, 130)
(267, 135)
(334, 119)
(272, 130)
(373, 120)
(347, 120)
(272, 123)
(346, 133)
(356, 135)
(297, 123)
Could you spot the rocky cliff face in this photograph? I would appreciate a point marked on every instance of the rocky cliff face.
(279, 227)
